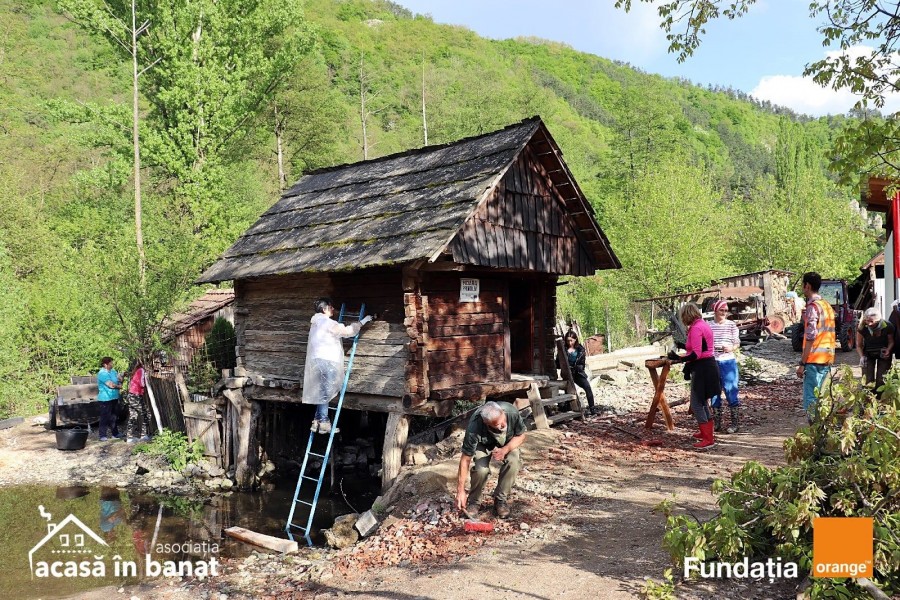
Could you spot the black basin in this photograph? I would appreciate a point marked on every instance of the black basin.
(71, 439)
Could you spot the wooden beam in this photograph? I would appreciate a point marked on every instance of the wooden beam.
(480, 390)
(372, 402)
(395, 435)
(261, 540)
(537, 407)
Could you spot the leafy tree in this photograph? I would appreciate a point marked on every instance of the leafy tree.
(869, 145)
(846, 464)
(220, 344)
(672, 239)
(215, 66)
(794, 217)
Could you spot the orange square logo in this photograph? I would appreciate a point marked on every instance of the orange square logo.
(842, 547)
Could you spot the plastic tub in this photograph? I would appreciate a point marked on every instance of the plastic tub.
(71, 439)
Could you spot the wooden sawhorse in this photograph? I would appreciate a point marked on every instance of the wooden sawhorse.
(659, 395)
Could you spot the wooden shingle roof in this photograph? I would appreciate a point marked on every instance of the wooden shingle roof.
(202, 308)
(385, 211)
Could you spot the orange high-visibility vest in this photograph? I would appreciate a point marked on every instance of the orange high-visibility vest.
(823, 347)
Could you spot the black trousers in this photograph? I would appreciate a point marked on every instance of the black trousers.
(581, 381)
(108, 418)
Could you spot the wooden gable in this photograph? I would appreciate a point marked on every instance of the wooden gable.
(524, 225)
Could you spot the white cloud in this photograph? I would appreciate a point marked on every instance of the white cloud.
(634, 36)
(804, 95)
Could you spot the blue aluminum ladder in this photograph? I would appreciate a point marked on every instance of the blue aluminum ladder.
(324, 457)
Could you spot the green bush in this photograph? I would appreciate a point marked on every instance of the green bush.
(220, 345)
(847, 464)
(174, 447)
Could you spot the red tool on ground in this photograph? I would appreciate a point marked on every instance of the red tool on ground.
(473, 524)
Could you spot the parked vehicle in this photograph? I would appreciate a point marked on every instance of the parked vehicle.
(845, 318)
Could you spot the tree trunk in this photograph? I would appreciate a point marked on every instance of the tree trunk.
(424, 121)
(362, 108)
(138, 211)
(279, 130)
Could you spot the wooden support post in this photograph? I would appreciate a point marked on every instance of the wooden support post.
(182, 388)
(243, 474)
(253, 444)
(395, 435)
(537, 407)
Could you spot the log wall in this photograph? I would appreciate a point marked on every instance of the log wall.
(272, 323)
(467, 341)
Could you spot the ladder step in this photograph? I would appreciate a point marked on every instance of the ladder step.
(317, 455)
(563, 417)
(316, 479)
(300, 527)
(557, 399)
(303, 502)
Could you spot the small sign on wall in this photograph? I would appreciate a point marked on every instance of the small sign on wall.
(469, 290)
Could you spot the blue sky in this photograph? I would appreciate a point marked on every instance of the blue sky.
(763, 53)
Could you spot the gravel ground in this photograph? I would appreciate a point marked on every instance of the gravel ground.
(583, 524)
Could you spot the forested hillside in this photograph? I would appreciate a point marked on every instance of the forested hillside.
(240, 99)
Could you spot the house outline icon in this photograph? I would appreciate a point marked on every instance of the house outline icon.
(57, 530)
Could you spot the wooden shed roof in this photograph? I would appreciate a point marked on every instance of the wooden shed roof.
(395, 209)
(202, 308)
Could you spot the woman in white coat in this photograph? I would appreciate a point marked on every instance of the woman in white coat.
(324, 372)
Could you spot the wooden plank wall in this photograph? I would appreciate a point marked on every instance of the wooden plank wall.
(168, 401)
(523, 226)
(272, 323)
(466, 341)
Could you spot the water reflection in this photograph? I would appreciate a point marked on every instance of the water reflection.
(130, 526)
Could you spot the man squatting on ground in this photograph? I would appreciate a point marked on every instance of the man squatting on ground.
(819, 342)
(495, 432)
(726, 339)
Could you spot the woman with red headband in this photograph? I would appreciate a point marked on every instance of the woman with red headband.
(726, 340)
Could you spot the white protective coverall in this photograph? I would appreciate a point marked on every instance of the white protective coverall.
(324, 371)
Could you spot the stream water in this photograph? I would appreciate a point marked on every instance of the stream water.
(111, 531)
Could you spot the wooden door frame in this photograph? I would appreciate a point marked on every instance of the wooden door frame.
(531, 284)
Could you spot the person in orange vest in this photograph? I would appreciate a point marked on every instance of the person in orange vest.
(819, 342)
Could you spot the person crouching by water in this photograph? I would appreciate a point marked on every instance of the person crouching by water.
(495, 432)
(700, 367)
(577, 357)
(323, 375)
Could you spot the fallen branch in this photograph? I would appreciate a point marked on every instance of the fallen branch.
(636, 436)
(868, 585)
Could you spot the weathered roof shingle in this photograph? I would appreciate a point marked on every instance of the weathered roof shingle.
(384, 211)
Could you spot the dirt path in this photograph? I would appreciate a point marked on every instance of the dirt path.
(583, 524)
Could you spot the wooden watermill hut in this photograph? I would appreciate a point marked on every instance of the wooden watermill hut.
(457, 248)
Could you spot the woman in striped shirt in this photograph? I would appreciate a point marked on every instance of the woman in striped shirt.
(726, 340)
